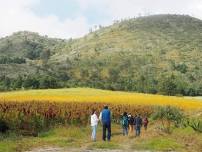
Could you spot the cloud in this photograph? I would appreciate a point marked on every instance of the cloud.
(16, 15)
(118, 9)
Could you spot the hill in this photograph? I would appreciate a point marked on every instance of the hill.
(153, 54)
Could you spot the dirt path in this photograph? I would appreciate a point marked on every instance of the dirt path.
(57, 149)
(125, 147)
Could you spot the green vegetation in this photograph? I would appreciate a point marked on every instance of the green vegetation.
(168, 116)
(194, 123)
(154, 54)
(104, 145)
(7, 60)
(158, 144)
(78, 138)
(29, 82)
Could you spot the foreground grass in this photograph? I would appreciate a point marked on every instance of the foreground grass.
(79, 137)
(96, 95)
(158, 143)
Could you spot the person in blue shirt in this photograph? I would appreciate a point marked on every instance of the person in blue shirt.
(105, 118)
(138, 125)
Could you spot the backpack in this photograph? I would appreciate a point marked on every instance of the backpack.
(125, 121)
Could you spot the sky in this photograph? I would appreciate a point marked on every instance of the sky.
(73, 18)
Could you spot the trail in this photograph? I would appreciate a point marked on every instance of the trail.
(54, 149)
(126, 147)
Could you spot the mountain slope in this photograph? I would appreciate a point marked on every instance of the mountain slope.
(159, 53)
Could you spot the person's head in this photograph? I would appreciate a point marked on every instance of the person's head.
(125, 113)
(93, 111)
(105, 107)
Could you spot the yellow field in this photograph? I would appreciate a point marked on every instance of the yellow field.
(96, 95)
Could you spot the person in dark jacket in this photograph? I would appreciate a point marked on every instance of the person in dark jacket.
(130, 122)
(138, 125)
(124, 123)
(105, 117)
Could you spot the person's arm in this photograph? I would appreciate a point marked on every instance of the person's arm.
(111, 116)
(96, 118)
(100, 117)
(90, 120)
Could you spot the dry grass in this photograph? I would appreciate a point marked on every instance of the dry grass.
(79, 138)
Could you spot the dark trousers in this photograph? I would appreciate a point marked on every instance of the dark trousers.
(106, 127)
(137, 130)
(125, 130)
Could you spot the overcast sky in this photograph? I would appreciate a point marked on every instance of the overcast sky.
(73, 18)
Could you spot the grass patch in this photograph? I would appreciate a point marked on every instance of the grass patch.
(65, 136)
(104, 145)
(7, 146)
(59, 136)
(158, 143)
(182, 139)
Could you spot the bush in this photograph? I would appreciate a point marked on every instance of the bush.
(168, 115)
(8, 60)
(195, 124)
(3, 126)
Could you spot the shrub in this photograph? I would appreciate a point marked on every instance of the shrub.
(3, 126)
(194, 123)
(168, 115)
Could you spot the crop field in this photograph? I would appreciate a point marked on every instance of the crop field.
(23, 109)
(87, 95)
(35, 112)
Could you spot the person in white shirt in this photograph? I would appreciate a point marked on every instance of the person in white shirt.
(94, 123)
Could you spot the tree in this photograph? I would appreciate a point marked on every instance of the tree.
(33, 54)
(114, 74)
(168, 85)
(31, 82)
(18, 82)
(45, 56)
(48, 82)
(6, 83)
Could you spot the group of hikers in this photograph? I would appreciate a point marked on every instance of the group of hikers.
(128, 123)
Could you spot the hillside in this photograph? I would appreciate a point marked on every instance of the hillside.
(153, 54)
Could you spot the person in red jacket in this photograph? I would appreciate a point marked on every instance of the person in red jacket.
(145, 122)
